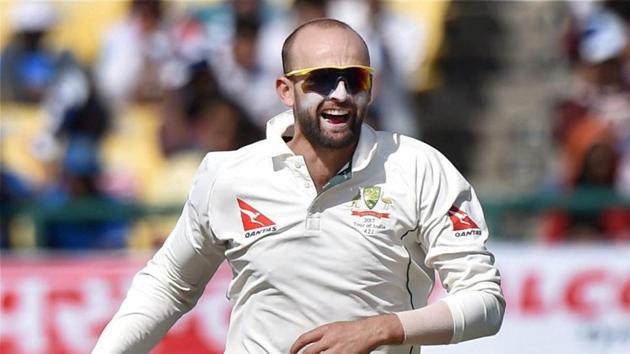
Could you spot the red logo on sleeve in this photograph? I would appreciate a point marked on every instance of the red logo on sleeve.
(252, 218)
(461, 220)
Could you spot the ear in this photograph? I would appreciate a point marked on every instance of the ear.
(285, 90)
(375, 87)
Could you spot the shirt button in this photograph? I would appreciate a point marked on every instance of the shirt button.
(298, 165)
(307, 184)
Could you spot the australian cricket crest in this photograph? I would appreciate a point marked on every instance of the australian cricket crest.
(372, 210)
(371, 201)
(371, 196)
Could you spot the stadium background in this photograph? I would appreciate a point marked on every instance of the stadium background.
(93, 179)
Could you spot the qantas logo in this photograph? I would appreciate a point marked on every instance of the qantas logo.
(462, 223)
(253, 219)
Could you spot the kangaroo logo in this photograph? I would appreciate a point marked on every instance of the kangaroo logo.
(461, 220)
(252, 218)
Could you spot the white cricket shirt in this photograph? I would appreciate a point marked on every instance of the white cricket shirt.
(366, 245)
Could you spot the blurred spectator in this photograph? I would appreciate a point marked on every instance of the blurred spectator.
(232, 36)
(15, 190)
(241, 78)
(221, 19)
(79, 183)
(28, 67)
(87, 116)
(593, 129)
(602, 86)
(396, 65)
(197, 117)
(181, 105)
(136, 54)
(221, 125)
(73, 108)
(592, 162)
(274, 32)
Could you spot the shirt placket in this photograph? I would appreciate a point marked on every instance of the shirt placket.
(297, 166)
(314, 212)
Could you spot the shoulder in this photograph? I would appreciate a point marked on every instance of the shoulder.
(224, 165)
(218, 164)
(405, 149)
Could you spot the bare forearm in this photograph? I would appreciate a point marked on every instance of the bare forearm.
(387, 329)
(351, 337)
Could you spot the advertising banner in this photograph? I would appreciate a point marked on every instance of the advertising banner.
(58, 305)
(570, 299)
(560, 300)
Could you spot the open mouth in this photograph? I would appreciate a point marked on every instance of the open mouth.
(336, 116)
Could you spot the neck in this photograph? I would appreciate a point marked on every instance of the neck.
(322, 163)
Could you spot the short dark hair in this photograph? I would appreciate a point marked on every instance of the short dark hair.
(320, 23)
(247, 27)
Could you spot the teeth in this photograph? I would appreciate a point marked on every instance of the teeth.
(335, 112)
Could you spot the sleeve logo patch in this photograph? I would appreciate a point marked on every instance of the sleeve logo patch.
(254, 220)
(463, 225)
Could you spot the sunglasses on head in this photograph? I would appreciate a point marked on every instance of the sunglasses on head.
(324, 79)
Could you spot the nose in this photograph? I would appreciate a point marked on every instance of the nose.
(340, 93)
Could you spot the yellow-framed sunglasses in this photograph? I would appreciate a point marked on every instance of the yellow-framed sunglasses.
(324, 79)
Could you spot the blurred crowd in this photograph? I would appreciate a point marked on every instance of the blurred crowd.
(208, 67)
(592, 123)
(209, 71)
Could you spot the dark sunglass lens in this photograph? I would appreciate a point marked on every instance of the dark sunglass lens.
(324, 81)
(357, 79)
(321, 81)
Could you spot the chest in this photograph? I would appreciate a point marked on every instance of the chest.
(284, 217)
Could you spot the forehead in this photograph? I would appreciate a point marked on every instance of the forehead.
(328, 47)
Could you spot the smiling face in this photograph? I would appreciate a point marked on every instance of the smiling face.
(327, 120)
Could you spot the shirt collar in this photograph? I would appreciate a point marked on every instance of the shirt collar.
(278, 127)
(282, 126)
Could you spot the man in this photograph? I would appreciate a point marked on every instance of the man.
(333, 236)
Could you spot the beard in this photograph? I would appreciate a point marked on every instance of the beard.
(310, 126)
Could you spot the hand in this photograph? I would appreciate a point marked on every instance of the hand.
(351, 337)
